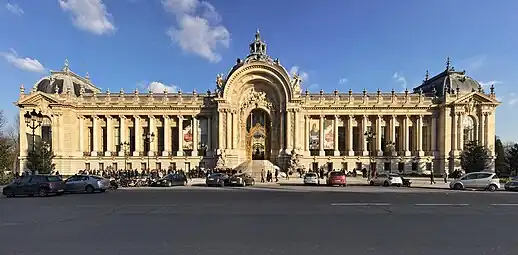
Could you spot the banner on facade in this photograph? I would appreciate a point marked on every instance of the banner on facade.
(314, 135)
(329, 135)
(187, 136)
(203, 134)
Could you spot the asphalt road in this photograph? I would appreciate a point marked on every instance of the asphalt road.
(212, 221)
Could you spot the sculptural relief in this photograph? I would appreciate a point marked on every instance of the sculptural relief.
(295, 84)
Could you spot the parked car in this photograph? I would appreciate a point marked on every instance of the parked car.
(217, 179)
(406, 182)
(477, 180)
(172, 180)
(387, 179)
(311, 179)
(87, 183)
(242, 179)
(512, 185)
(336, 178)
(31, 185)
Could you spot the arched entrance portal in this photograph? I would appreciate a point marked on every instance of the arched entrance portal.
(258, 139)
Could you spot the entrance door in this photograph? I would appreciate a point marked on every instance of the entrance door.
(258, 140)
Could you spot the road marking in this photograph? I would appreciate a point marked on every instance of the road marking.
(441, 204)
(504, 204)
(360, 204)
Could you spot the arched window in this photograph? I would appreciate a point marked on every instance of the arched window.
(469, 127)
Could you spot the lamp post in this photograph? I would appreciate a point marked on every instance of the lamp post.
(148, 139)
(369, 137)
(33, 120)
(125, 148)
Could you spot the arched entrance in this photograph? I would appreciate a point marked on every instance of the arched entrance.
(258, 135)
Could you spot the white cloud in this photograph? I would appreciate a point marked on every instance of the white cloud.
(486, 84)
(89, 15)
(158, 87)
(303, 75)
(14, 9)
(400, 79)
(343, 81)
(198, 29)
(27, 64)
(513, 100)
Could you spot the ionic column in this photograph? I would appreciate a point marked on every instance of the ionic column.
(420, 151)
(209, 134)
(296, 143)
(379, 135)
(282, 131)
(235, 129)
(350, 135)
(229, 130)
(220, 131)
(460, 132)
(95, 131)
(306, 134)
(335, 136)
(481, 124)
(109, 136)
(321, 136)
(167, 136)
(289, 132)
(180, 136)
(138, 135)
(406, 136)
(124, 138)
(364, 143)
(153, 148)
(55, 133)
(61, 134)
(81, 135)
(486, 130)
(433, 133)
(194, 136)
(454, 132)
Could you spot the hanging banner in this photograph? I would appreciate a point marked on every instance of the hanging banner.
(187, 135)
(329, 135)
(203, 132)
(314, 135)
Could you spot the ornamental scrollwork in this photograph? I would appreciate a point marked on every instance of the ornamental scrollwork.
(255, 98)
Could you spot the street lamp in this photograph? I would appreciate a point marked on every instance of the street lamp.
(148, 139)
(390, 147)
(33, 120)
(369, 137)
(125, 146)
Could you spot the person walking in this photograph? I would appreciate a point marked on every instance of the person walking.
(262, 175)
(432, 180)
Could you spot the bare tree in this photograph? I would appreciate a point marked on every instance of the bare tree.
(14, 137)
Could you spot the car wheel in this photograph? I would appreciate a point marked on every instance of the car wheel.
(60, 193)
(185, 183)
(371, 183)
(457, 186)
(386, 184)
(492, 188)
(169, 184)
(244, 183)
(9, 193)
(89, 189)
(103, 190)
(398, 185)
(221, 183)
(43, 192)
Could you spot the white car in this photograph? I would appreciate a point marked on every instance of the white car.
(311, 179)
(477, 180)
(387, 179)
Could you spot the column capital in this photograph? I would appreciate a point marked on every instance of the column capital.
(137, 117)
(380, 116)
(180, 117)
(322, 116)
(336, 116)
(394, 116)
(122, 116)
(351, 116)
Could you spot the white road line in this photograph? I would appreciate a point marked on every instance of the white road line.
(441, 204)
(360, 204)
(504, 204)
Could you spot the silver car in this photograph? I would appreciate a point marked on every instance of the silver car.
(87, 183)
(477, 180)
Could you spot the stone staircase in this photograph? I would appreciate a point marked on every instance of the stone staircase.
(254, 167)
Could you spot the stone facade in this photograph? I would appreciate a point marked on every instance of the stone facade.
(258, 111)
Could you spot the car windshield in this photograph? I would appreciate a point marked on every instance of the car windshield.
(53, 178)
(337, 174)
(215, 175)
(96, 177)
(394, 175)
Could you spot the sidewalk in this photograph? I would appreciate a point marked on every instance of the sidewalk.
(359, 181)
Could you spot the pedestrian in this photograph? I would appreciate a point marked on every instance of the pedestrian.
(432, 180)
(445, 175)
(276, 175)
(262, 175)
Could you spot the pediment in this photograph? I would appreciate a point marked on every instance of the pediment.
(37, 99)
(476, 97)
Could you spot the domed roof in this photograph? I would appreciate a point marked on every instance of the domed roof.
(65, 80)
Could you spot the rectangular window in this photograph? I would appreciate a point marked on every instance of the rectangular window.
(46, 135)
(387, 166)
(160, 138)
(397, 140)
(158, 166)
(132, 138)
(341, 139)
(344, 166)
(415, 166)
(428, 166)
(144, 140)
(356, 140)
(411, 139)
(104, 138)
(90, 139)
(401, 166)
(114, 166)
(87, 166)
(101, 166)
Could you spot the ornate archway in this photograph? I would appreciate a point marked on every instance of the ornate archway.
(258, 139)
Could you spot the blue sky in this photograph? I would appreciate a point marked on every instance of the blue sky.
(333, 44)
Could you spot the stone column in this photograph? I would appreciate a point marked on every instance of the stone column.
(486, 129)
(138, 135)
(420, 151)
(229, 130)
(296, 142)
(95, 134)
(167, 136)
(321, 136)
(433, 132)
(379, 135)
(350, 135)
(180, 136)
(393, 130)
(81, 135)
(481, 124)
(109, 136)
(153, 148)
(306, 134)
(55, 133)
(124, 138)
(454, 132)
(194, 136)
(209, 134)
(365, 148)
(335, 136)
(406, 136)
(289, 132)
(220, 131)
(235, 130)
(460, 132)
(24, 145)
(282, 131)
(61, 135)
